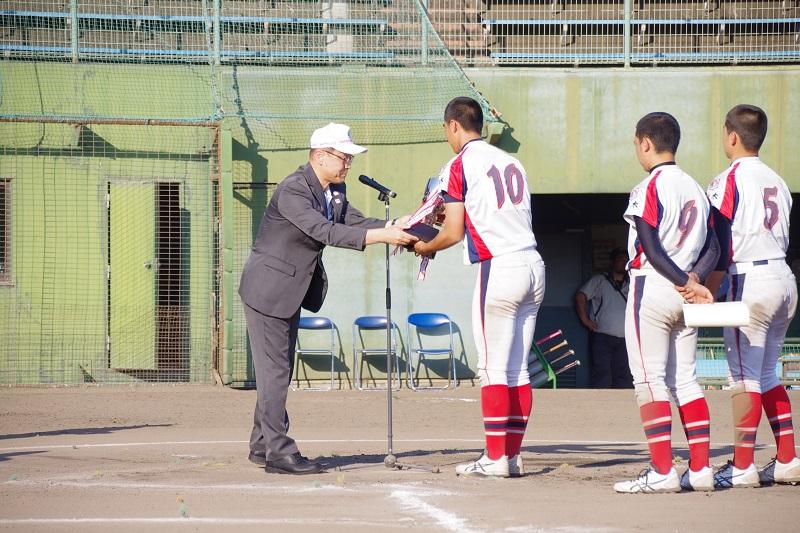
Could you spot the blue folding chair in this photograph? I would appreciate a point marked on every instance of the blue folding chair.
(320, 324)
(364, 347)
(426, 325)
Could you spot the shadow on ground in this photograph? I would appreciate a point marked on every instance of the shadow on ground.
(8, 456)
(541, 458)
(80, 431)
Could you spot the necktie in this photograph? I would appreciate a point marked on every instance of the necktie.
(328, 205)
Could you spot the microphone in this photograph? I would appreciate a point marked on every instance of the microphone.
(369, 182)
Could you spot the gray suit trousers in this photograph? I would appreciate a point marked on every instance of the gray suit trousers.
(272, 343)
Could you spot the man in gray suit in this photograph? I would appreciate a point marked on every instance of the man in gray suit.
(284, 273)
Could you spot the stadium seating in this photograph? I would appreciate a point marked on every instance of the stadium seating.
(475, 31)
(288, 30)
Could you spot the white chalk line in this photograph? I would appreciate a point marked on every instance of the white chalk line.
(409, 497)
(370, 488)
(444, 519)
(344, 441)
(559, 529)
(211, 520)
(193, 487)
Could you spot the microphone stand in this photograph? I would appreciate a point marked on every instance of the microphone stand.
(390, 461)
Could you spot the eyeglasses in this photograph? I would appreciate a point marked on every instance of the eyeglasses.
(347, 160)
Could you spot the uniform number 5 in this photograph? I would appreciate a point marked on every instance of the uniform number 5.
(770, 207)
(513, 184)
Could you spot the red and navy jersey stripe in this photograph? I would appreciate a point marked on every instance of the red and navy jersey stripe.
(653, 210)
(730, 200)
(457, 191)
(652, 214)
(730, 203)
(636, 262)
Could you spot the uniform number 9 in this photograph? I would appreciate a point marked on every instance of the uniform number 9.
(686, 221)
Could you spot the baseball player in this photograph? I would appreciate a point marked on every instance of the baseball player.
(671, 248)
(487, 205)
(751, 206)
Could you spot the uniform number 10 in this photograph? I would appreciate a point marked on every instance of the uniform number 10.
(513, 184)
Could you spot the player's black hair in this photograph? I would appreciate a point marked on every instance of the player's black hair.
(616, 252)
(750, 124)
(466, 112)
(662, 129)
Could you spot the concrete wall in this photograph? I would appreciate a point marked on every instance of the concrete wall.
(572, 129)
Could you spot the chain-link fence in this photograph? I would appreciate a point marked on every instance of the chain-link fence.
(712, 365)
(599, 32)
(110, 115)
(108, 256)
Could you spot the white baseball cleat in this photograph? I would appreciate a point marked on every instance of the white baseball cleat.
(650, 480)
(702, 480)
(515, 466)
(730, 477)
(485, 467)
(778, 472)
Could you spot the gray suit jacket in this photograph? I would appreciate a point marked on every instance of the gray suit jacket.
(284, 271)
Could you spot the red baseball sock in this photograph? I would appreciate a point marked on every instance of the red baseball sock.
(657, 422)
(520, 400)
(746, 416)
(494, 401)
(779, 412)
(696, 426)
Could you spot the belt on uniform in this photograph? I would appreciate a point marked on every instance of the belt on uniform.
(744, 266)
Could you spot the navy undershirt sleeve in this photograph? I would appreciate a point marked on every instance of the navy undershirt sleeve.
(449, 199)
(708, 255)
(656, 255)
(722, 226)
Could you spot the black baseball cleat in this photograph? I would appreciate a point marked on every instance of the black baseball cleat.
(292, 464)
(258, 457)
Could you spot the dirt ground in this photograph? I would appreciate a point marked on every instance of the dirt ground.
(157, 458)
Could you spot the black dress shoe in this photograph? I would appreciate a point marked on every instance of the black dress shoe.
(293, 464)
(258, 457)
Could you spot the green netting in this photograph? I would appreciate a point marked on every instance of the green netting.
(110, 115)
(378, 64)
(108, 253)
(249, 201)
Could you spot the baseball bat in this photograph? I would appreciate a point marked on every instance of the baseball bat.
(549, 337)
(536, 366)
(567, 367)
(539, 379)
(556, 347)
(543, 377)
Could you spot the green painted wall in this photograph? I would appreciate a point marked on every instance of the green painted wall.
(53, 316)
(571, 128)
(575, 127)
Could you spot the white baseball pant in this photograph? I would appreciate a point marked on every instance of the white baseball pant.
(506, 300)
(661, 349)
(770, 291)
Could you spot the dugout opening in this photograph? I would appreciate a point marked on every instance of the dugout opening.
(575, 233)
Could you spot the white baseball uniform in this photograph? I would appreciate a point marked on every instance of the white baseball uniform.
(498, 234)
(661, 349)
(757, 202)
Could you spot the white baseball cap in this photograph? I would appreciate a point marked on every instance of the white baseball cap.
(336, 136)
